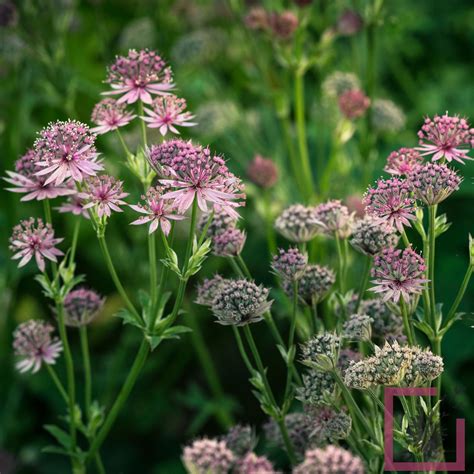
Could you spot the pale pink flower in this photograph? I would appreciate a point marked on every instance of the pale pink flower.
(403, 161)
(166, 113)
(74, 205)
(398, 274)
(25, 180)
(110, 115)
(32, 238)
(353, 103)
(104, 193)
(158, 211)
(81, 306)
(391, 201)
(139, 75)
(33, 343)
(66, 150)
(263, 172)
(446, 137)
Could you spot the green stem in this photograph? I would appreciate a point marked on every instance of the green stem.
(75, 237)
(124, 145)
(437, 351)
(460, 295)
(270, 231)
(87, 369)
(47, 211)
(57, 382)
(406, 242)
(431, 262)
(153, 273)
(301, 133)
(121, 399)
(291, 340)
(142, 123)
(340, 258)
(406, 321)
(364, 281)
(244, 267)
(240, 345)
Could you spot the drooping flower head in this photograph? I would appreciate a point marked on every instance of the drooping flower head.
(240, 302)
(263, 172)
(386, 116)
(32, 238)
(370, 236)
(104, 193)
(66, 150)
(334, 218)
(353, 103)
(157, 211)
(298, 223)
(74, 205)
(253, 464)
(446, 137)
(433, 183)
(403, 161)
(229, 243)
(331, 459)
(240, 439)
(207, 456)
(209, 289)
(398, 274)
(34, 345)
(81, 306)
(26, 181)
(109, 114)
(289, 264)
(166, 113)
(391, 201)
(138, 76)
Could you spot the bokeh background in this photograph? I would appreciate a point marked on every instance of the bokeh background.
(53, 55)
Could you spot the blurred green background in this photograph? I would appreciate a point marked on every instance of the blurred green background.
(53, 56)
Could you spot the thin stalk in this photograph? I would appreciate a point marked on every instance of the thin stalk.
(270, 231)
(406, 242)
(291, 339)
(87, 369)
(460, 295)
(244, 267)
(364, 281)
(124, 145)
(75, 237)
(142, 123)
(406, 321)
(340, 259)
(153, 273)
(286, 126)
(47, 211)
(240, 345)
(57, 382)
(431, 262)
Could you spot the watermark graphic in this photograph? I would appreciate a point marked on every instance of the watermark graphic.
(390, 463)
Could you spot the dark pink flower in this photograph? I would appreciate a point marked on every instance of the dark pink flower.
(66, 150)
(391, 201)
(104, 193)
(138, 76)
(26, 181)
(166, 113)
(33, 343)
(108, 115)
(398, 274)
(353, 103)
(74, 205)
(34, 238)
(403, 161)
(283, 24)
(257, 19)
(263, 172)
(158, 211)
(446, 137)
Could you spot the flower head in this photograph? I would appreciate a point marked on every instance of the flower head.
(355, 205)
(353, 103)
(446, 137)
(26, 181)
(334, 218)
(339, 82)
(32, 238)
(387, 116)
(209, 289)
(358, 327)
(66, 150)
(290, 264)
(171, 153)
(349, 23)
(257, 18)
(240, 302)
(104, 193)
(346, 358)
(33, 343)
(385, 323)
(331, 459)
(398, 274)
(433, 183)
(263, 172)
(403, 161)
(240, 439)
(317, 388)
(74, 205)
(109, 114)
(321, 351)
(297, 223)
(424, 368)
(370, 236)
(157, 211)
(138, 76)
(283, 24)
(220, 222)
(167, 112)
(81, 306)
(229, 243)
(328, 424)
(207, 456)
(391, 201)
(253, 464)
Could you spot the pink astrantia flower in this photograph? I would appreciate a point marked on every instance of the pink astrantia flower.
(353, 103)
(139, 75)
(263, 172)
(34, 238)
(105, 193)
(391, 201)
(158, 211)
(166, 113)
(25, 180)
(398, 274)
(33, 343)
(446, 137)
(110, 115)
(66, 150)
(402, 161)
(334, 218)
(74, 205)
(198, 174)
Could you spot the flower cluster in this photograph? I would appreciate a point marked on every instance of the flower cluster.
(263, 172)
(358, 327)
(109, 115)
(385, 323)
(253, 464)
(290, 264)
(298, 223)
(334, 218)
(353, 103)
(208, 456)
(328, 424)
(81, 306)
(281, 25)
(240, 439)
(403, 161)
(370, 236)
(321, 351)
(208, 290)
(229, 243)
(318, 386)
(331, 459)
(34, 345)
(386, 116)
(339, 82)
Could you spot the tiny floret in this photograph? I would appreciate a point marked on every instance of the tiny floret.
(240, 439)
(317, 389)
(253, 464)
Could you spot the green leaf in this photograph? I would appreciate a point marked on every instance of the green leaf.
(60, 435)
(57, 450)
(174, 332)
(129, 318)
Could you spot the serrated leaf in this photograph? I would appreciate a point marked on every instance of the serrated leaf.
(60, 435)
(128, 318)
